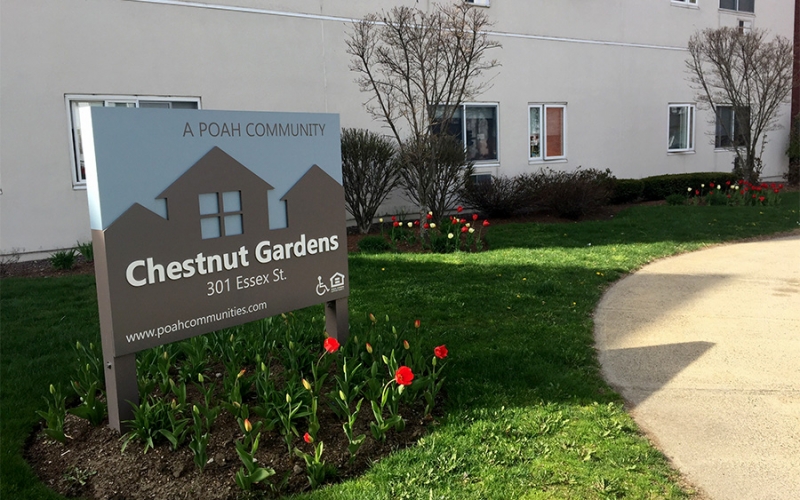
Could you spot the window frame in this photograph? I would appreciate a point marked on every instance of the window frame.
(543, 156)
(462, 109)
(745, 26)
(479, 3)
(72, 101)
(690, 148)
(686, 3)
(221, 214)
(737, 7)
(733, 135)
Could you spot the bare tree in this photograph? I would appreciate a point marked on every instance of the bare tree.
(369, 173)
(753, 76)
(419, 67)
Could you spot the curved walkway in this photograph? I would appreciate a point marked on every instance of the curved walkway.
(705, 348)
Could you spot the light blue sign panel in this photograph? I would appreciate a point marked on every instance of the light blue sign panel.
(143, 151)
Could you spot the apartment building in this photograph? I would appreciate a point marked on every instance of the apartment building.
(591, 83)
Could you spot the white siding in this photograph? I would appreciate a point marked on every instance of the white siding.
(617, 64)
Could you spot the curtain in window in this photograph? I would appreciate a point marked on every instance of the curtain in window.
(481, 128)
(724, 129)
(554, 127)
(680, 128)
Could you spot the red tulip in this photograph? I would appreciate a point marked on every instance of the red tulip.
(440, 351)
(404, 375)
(331, 345)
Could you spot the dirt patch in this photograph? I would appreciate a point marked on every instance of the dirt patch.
(91, 464)
(43, 269)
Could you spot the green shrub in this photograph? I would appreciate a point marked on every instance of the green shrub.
(660, 186)
(87, 250)
(676, 199)
(531, 186)
(498, 198)
(568, 194)
(374, 244)
(626, 191)
(63, 259)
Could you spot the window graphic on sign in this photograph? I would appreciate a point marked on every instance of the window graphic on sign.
(218, 211)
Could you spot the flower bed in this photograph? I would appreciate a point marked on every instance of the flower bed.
(737, 193)
(270, 406)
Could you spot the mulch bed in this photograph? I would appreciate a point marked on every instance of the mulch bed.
(91, 465)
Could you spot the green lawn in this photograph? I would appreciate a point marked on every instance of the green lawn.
(527, 413)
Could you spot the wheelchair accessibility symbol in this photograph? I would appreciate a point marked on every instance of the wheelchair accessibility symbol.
(322, 288)
(336, 281)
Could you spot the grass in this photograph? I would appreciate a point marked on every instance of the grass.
(527, 414)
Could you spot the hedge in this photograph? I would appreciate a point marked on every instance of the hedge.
(658, 187)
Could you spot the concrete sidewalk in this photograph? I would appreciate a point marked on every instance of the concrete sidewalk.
(705, 347)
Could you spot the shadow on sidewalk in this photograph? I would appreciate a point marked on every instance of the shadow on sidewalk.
(638, 372)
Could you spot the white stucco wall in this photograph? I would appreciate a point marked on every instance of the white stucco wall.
(617, 64)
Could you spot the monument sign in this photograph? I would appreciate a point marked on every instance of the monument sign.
(203, 220)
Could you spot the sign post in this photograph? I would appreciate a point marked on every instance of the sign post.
(203, 220)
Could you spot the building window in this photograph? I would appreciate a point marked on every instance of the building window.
(482, 3)
(738, 5)
(220, 214)
(689, 3)
(729, 131)
(547, 131)
(681, 128)
(476, 125)
(745, 26)
(75, 102)
(481, 179)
